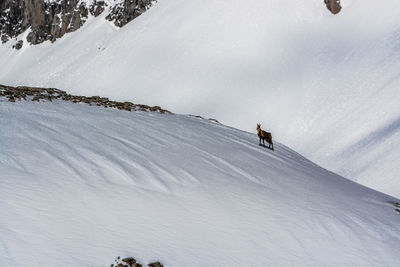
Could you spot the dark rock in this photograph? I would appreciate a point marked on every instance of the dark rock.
(333, 6)
(196, 116)
(36, 98)
(126, 262)
(123, 13)
(51, 20)
(130, 261)
(51, 94)
(97, 8)
(4, 38)
(155, 264)
(18, 45)
(213, 120)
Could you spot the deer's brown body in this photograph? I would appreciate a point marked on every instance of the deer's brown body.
(265, 136)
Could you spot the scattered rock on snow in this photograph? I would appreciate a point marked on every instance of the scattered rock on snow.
(50, 94)
(131, 262)
(213, 120)
(200, 117)
(333, 6)
(155, 264)
(18, 45)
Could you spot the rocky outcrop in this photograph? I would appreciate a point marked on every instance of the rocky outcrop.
(50, 94)
(155, 264)
(131, 262)
(18, 45)
(333, 6)
(125, 12)
(51, 19)
(46, 20)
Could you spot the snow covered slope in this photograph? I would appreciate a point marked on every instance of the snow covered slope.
(80, 185)
(325, 85)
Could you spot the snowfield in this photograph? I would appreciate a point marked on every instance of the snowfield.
(326, 85)
(81, 185)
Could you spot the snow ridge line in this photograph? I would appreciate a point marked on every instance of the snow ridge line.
(50, 94)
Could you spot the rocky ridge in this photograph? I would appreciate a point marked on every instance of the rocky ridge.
(48, 20)
(49, 94)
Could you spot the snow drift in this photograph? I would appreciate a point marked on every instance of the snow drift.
(325, 85)
(80, 185)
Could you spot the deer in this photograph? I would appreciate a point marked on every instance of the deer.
(265, 136)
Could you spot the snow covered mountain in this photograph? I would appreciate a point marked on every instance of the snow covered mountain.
(81, 185)
(326, 85)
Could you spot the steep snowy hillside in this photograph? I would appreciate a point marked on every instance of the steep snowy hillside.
(327, 85)
(81, 185)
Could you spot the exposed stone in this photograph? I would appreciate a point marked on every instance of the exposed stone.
(155, 264)
(126, 262)
(200, 117)
(18, 45)
(123, 13)
(213, 120)
(50, 94)
(196, 116)
(130, 261)
(333, 6)
(50, 20)
(97, 8)
(4, 38)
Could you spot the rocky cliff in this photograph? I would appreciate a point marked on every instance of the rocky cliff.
(51, 19)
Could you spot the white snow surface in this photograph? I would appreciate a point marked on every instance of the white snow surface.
(326, 85)
(81, 185)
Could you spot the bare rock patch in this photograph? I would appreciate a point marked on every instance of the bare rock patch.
(131, 262)
(333, 6)
(50, 94)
